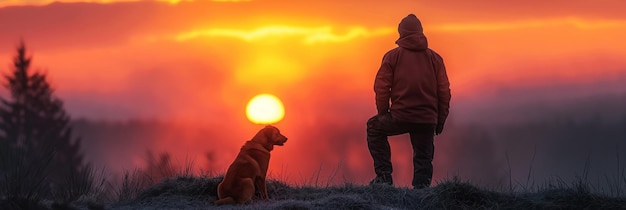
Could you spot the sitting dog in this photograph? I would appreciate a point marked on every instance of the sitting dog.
(249, 168)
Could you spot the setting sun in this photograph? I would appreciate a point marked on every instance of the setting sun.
(265, 109)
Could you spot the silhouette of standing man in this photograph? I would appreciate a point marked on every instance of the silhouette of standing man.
(413, 77)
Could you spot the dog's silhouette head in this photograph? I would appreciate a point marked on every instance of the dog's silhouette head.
(270, 136)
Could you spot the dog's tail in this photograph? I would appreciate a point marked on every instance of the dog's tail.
(226, 200)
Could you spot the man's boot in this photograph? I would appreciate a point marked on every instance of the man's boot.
(382, 179)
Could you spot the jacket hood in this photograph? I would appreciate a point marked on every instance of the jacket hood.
(411, 34)
(410, 25)
(413, 42)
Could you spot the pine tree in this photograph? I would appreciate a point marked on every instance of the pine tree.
(36, 135)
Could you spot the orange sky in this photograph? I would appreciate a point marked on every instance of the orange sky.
(202, 60)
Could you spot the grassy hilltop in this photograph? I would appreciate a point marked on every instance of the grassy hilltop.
(198, 193)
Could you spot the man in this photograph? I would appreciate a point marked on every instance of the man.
(414, 78)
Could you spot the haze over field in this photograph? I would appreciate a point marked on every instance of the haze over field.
(175, 76)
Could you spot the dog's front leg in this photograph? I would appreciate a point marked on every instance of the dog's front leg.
(260, 183)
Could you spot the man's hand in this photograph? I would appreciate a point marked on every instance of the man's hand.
(439, 129)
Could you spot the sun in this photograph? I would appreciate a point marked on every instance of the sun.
(265, 109)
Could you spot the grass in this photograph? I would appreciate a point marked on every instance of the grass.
(158, 169)
(25, 183)
(199, 192)
(165, 186)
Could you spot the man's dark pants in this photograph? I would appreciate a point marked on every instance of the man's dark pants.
(380, 127)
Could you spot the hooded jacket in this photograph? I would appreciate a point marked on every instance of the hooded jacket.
(413, 77)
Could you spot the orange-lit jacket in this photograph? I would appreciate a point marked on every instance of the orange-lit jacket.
(414, 78)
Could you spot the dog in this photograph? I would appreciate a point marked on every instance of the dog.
(248, 170)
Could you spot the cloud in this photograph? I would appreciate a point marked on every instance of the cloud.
(459, 10)
(308, 35)
(4, 3)
(222, 1)
(579, 23)
(232, 0)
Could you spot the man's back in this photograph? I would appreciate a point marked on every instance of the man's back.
(414, 78)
